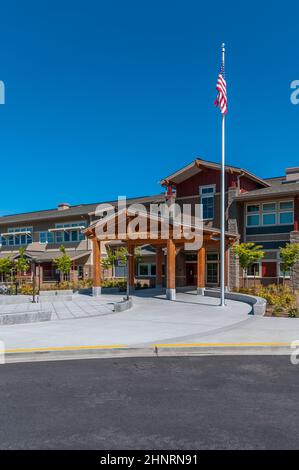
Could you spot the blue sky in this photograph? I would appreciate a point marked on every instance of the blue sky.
(106, 98)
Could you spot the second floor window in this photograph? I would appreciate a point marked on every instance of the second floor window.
(207, 200)
(270, 213)
(72, 234)
(46, 237)
(17, 236)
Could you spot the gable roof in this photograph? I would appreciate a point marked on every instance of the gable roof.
(198, 164)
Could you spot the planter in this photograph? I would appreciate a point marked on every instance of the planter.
(50, 293)
(85, 290)
(110, 290)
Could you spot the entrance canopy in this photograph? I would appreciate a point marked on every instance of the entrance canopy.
(138, 227)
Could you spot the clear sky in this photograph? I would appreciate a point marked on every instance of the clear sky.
(107, 97)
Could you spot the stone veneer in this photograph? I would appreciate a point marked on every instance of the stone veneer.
(232, 227)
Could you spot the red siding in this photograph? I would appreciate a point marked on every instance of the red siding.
(248, 185)
(190, 186)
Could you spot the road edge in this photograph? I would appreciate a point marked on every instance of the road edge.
(154, 350)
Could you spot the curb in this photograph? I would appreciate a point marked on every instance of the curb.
(154, 350)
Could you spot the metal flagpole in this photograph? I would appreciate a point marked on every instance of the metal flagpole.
(222, 206)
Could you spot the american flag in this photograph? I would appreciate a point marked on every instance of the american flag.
(221, 100)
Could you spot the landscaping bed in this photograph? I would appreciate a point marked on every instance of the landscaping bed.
(282, 301)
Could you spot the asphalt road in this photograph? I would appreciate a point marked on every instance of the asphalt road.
(224, 402)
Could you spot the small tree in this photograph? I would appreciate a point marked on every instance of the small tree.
(6, 266)
(289, 256)
(119, 254)
(63, 263)
(248, 254)
(22, 264)
(109, 260)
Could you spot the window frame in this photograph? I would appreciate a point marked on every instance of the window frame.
(261, 212)
(72, 228)
(10, 240)
(206, 196)
(149, 267)
(47, 236)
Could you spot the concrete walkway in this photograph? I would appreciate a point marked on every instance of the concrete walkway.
(190, 320)
(81, 306)
(151, 319)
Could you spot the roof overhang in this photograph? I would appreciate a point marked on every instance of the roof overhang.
(259, 197)
(199, 165)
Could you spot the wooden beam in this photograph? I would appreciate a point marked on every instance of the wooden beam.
(201, 267)
(96, 245)
(170, 264)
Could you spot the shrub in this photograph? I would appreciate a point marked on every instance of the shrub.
(277, 295)
(120, 283)
(293, 313)
(26, 289)
(277, 311)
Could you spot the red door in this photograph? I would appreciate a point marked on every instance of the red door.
(191, 269)
(269, 269)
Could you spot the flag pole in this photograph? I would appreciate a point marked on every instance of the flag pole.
(222, 206)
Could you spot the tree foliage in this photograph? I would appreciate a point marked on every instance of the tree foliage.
(289, 256)
(248, 254)
(21, 263)
(6, 266)
(63, 263)
(118, 254)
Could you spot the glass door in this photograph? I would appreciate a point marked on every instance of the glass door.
(212, 266)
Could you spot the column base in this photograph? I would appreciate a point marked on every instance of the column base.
(96, 291)
(200, 291)
(170, 294)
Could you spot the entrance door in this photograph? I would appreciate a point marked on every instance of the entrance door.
(213, 274)
(191, 272)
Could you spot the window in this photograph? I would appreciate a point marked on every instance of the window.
(269, 219)
(212, 257)
(270, 213)
(212, 268)
(253, 208)
(253, 218)
(269, 266)
(285, 205)
(281, 273)
(269, 207)
(207, 200)
(286, 212)
(286, 217)
(17, 236)
(254, 270)
(72, 234)
(46, 237)
(146, 269)
(212, 273)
